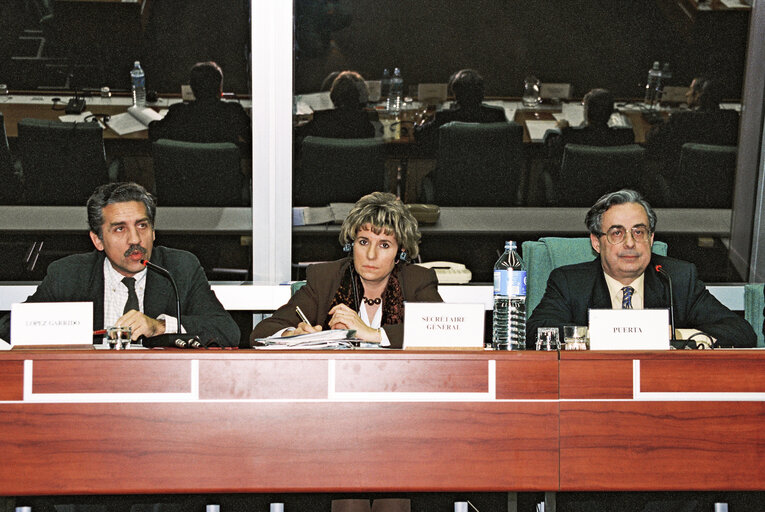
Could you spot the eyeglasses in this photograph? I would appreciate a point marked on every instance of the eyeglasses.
(616, 234)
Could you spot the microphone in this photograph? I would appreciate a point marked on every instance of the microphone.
(663, 273)
(176, 339)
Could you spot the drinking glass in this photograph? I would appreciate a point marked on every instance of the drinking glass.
(118, 338)
(548, 338)
(576, 337)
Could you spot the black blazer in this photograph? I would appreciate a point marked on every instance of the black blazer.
(80, 277)
(574, 289)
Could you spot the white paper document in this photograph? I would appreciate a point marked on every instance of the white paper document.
(329, 339)
(134, 120)
(537, 129)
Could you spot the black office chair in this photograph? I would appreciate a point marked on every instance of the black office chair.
(704, 178)
(479, 164)
(62, 163)
(10, 188)
(198, 174)
(588, 172)
(338, 170)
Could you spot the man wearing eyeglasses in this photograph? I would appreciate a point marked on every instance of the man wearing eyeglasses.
(621, 226)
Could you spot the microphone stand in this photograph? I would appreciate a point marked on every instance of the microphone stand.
(179, 340)
(673, 341)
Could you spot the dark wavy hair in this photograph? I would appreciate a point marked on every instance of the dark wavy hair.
(594, 218)
(206, 80)
(467, 87)
(117, 193)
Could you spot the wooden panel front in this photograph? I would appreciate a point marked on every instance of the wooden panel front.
(662, 446)
(527, 379)
(277, 447)
(263, 378)
(11, 380)
(415, 375)
(718, 374)
(114, 375)
(596, 379)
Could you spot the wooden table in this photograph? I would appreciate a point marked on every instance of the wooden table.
(102, 422)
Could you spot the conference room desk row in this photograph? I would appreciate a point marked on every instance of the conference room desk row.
(123, 422)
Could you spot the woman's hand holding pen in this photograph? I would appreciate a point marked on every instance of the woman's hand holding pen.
(303, 327)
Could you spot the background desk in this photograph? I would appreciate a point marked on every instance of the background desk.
(80, 422)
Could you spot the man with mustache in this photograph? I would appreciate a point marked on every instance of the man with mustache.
(123, 291)
(621, 226)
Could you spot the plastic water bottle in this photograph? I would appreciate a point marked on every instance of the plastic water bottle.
(385, 84)
(664, 75)
(396, 92)
(509, 327)
(651, 83)
(138, 81)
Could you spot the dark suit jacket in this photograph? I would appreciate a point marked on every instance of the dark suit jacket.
(418, 284)
(427, 134)
(664, 141)
(555, 142)
(338, 124)
(574, 289)
(80, 277)
(204, 121)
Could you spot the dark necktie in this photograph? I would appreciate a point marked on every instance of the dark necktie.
(627, 298)
(132, 300)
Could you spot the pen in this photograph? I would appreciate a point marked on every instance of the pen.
(302, 316)
(99, 332)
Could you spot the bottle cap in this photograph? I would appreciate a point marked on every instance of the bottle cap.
(277, 507)
(460, 506)
(212, 508)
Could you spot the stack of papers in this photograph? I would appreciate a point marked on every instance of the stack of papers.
(330, 339)
(134, 120)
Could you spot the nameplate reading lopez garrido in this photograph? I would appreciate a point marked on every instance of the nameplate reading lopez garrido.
(52, 323)
(629, 329)
(443, 325)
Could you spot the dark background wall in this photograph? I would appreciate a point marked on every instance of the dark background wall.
(590, 43)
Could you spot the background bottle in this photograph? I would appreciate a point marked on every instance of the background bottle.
(385, 84)
(396, 93)
(651, 82)
(509, 326)
(138, 82)
(664, 75)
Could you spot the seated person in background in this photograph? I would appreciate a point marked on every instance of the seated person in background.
(123, 291)
(468, 88)
(598, 107)
(347, 120)
(208, 118)
(705, 122)
(365, 291)
(621, 226)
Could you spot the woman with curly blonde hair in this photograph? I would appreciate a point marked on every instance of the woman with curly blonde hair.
(365, 291)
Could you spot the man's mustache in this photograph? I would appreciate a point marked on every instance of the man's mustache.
(135, 248)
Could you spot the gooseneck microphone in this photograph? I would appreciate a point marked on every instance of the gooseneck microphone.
(175, 339)
(663, 273)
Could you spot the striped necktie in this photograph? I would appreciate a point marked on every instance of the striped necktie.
(627, 297)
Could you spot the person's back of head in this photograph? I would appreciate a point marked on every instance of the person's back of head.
(349, 91)
(467, 87)
(326, 84)
(206, 80)
(705, 94)
(598, 107)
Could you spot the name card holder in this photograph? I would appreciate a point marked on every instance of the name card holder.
(52, 324)
(629, 329)
(445, 326)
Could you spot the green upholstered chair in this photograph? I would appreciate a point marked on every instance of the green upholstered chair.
(198, 174)
(548, 253)
(754, 303)
(479, 164)
(588, 172)
(704, 178)
(338, 170)
(296, 285)
(62, 162)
